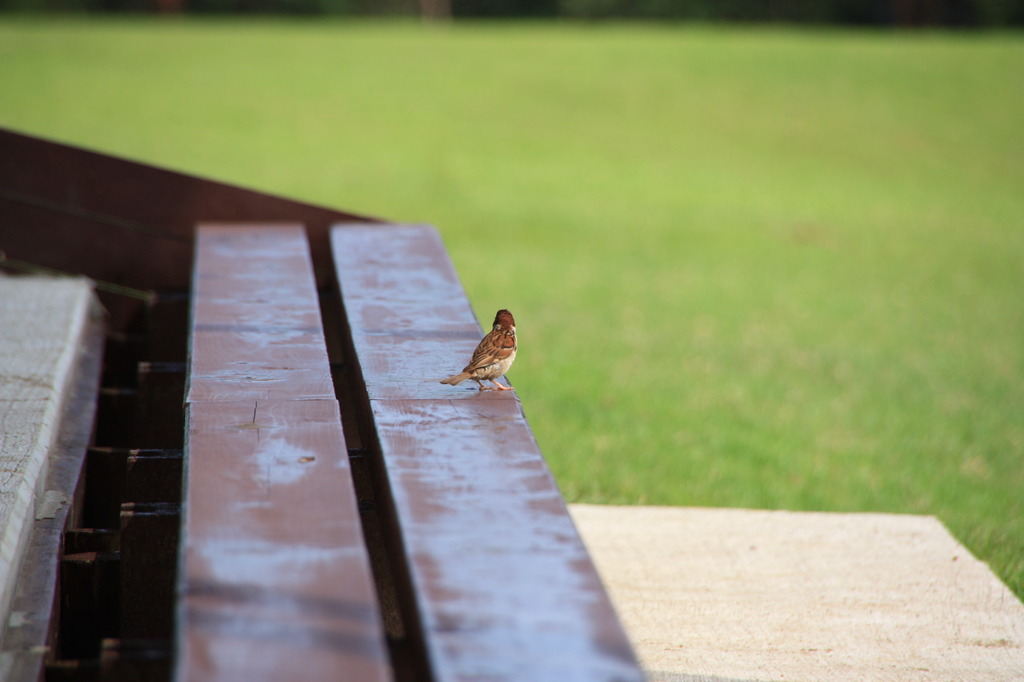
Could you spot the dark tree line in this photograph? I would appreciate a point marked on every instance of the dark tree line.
(960, 13)
(865, 12)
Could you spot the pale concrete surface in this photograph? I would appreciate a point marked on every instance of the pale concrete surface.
(41, 324)
(723, 595)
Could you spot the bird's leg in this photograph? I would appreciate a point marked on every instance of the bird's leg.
(480, 384)
(499, 387)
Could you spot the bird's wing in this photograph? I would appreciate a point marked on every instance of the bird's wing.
(494, 347)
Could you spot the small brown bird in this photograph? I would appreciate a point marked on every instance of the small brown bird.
(492, 357)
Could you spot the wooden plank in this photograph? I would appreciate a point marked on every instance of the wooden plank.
(506, 589)
(167, 319)
(24, 644)
(149, 546)
(27, 635)
(120, 221)
(135, 659)
(160, 421)
(105, 487)
(117, 421)
(44, 328)
(89, 603)
(503, 586)
(275, 577)
(276, 582)
(153, 476)
(256, 331)
(407, 311)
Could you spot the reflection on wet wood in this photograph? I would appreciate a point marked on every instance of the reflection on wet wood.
(276, 582)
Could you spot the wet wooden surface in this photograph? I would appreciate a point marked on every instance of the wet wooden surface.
(503, 586)
(275, 579)
(408, 313)
(256, 330)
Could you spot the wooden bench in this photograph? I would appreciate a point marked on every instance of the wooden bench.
(492, 580)
(342, 515)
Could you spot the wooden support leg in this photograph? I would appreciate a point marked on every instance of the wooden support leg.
(149, 547)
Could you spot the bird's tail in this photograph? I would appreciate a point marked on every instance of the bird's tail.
(456, 379)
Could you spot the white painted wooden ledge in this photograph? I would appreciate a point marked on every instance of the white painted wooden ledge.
(42, 324)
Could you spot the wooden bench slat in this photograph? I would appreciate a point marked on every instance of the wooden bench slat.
(277, 583)
(275, 578)
(504, 588)
(406, 304)
(256, 329)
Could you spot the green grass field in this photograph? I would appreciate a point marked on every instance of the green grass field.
(750, 267)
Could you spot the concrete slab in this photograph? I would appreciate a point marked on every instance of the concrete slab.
(724, 595)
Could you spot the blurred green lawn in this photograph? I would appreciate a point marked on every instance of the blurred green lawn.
(750, 267)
